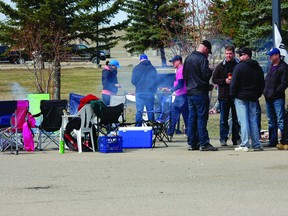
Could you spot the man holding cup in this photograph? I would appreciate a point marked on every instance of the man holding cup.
(222, 76)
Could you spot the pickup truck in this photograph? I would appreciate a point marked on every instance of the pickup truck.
(81, 52)
(8, 55)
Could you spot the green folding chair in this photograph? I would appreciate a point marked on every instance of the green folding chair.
(34, 101)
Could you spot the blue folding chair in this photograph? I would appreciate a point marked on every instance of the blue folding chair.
(7, 110)
(74, 101)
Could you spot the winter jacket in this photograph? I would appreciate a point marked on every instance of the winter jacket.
(109, 79)
(220, 74)
(276, 82)
(197, 73)
(144, 77)
(247, 81)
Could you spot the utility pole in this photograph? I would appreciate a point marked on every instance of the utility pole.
(97, 35)
(276, 6)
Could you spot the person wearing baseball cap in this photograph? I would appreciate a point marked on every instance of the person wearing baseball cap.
(207, 45)
(276, 82)
(197, 74)
(180, 104)
(246, 87)
(144, 78)
(109, 80)
(244, 51)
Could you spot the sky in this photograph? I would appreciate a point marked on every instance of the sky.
(118, 18)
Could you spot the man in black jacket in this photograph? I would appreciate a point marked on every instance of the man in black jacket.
(246, 87)
(276, 82)
(144, 78)
(222, 76)
(197, 75)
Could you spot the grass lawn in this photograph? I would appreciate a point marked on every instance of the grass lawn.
(16, 83)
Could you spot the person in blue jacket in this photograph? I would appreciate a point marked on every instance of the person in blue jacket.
(144, 78)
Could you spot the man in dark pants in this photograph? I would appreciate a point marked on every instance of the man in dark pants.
(276, 82)
(180, 104)
(144, 78)
(197, 74)
(222, 77)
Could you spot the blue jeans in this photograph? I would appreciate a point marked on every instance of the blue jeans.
(180, 105)
(144, 99)
(276, 116)
(225, 107)
(106, 99)
(246, 113)
(258, 115)
(197, 120)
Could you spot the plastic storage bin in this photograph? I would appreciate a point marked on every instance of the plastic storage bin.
(109, 144)
(136, 137)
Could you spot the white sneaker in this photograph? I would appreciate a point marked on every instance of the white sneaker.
(242, 149)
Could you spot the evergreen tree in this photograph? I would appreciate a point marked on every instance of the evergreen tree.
(226, 16)
(46, 26)
(247, 22)
(150, 24)
(40, 27)
(94, 22)
(260, 24)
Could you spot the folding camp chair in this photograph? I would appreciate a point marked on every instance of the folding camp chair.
(34, 104)
(162, 115)
(7, 109)
(109, 120)
(87, 115)
(18, 120)
(51, 112)
(116, 100)
(74, 101)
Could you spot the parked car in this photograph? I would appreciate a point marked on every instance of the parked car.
(12, 56)
(107, 53)
(81, 52)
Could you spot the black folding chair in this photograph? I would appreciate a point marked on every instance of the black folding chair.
(110, 119)
(51, 112)
(162, 115)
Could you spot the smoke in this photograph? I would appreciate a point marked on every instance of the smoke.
(18, 91)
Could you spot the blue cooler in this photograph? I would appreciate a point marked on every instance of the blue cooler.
(136, 137)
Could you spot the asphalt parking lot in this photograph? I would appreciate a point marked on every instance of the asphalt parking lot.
(159, 181)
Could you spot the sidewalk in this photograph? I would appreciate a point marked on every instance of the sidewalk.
(160, 181)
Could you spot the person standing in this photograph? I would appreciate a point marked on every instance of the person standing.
(197, 75)
(180, 104)
(276, 82)
(222, 76)
(109, 81)
(144, 78)
(246, 87)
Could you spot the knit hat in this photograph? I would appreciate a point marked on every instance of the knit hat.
(143, 57)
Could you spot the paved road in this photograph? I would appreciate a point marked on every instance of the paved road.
(124, 61)
(160, 181)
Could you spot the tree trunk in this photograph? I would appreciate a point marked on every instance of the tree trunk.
(163, 57)
(57, 81)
